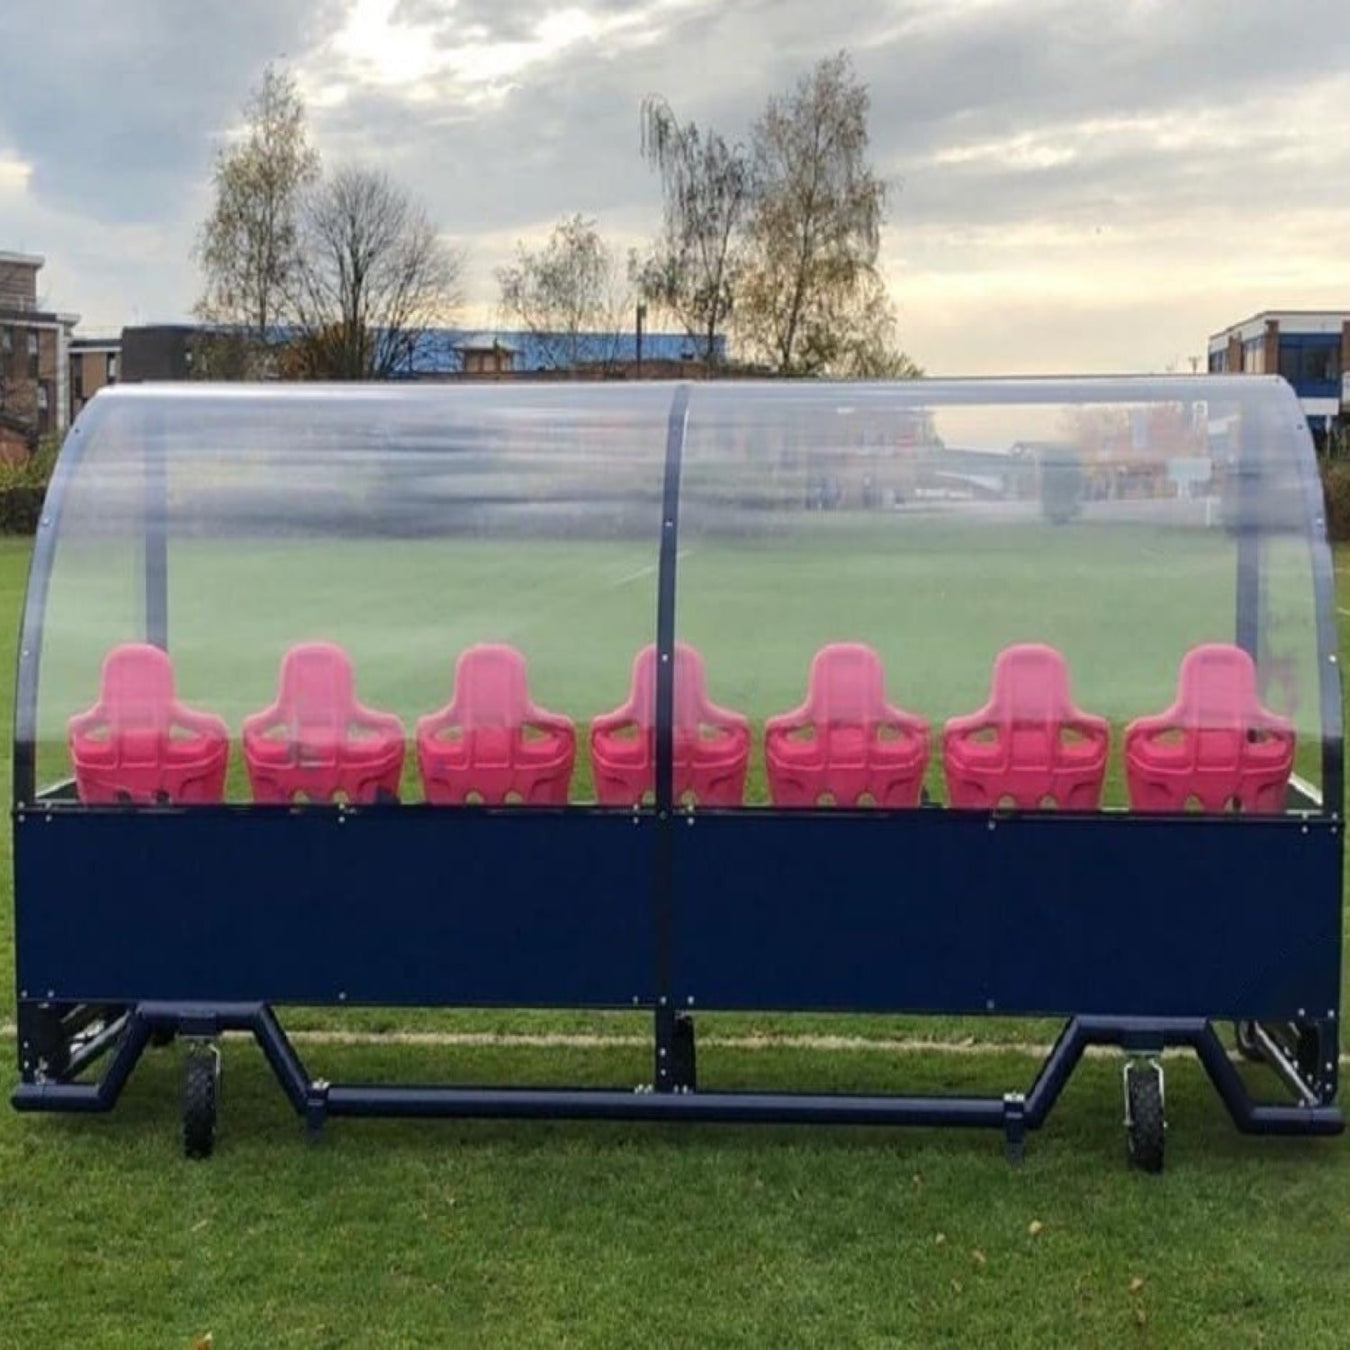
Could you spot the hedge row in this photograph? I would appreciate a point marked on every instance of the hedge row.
(22, 487)
(1336, 485)
(20, 508)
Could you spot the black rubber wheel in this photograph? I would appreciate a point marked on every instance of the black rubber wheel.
(1245, 1033)
(1146, 1124)
(201, 1082)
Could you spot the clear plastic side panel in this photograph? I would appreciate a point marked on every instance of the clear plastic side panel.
(1277, 520)
(426, 593)
(997, 594)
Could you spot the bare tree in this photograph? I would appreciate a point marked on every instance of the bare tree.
(18, 409)
(373, 275)
(18, 391)
(572, 295)
(694, 266)
(248, 246)
(858, 337)
(815, 227)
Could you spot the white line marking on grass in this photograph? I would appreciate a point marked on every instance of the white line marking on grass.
(1339, 610)
(587, 1040)
(629, 577)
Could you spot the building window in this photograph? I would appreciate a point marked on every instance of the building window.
(1218, 362)
(112, 368)
(1310, 360)
(32, 354)
(44, 418)
(77, 378)
(1254, 356)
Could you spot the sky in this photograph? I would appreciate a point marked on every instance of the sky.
(1074, 185)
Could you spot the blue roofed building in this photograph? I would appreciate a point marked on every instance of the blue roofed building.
(445, 352)
(165, 352)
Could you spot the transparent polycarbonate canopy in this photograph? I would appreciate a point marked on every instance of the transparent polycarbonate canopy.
(1121, 523)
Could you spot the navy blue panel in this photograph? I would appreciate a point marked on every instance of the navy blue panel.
(393, 906)
(928, 911)
(935, 911)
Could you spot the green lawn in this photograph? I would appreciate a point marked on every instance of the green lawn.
(936, 599)
(476, 1233)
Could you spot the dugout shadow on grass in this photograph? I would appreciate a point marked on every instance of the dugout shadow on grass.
(757, 522)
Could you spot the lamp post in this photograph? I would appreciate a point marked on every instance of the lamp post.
(641, 319)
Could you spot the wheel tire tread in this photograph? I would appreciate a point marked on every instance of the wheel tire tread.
(199, 1104)
(1147, 1126)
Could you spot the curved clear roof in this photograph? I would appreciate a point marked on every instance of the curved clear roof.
(1121, 523)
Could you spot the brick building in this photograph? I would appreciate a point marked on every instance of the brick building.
(34, 350)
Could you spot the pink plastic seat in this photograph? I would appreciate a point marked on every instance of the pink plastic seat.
(1216, 744)
(712, 745)
(1029, 744)
(491, 741)
(846, 741)
(139, 744)
(316, 740)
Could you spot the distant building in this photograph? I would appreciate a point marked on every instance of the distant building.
(486, 354)
(159, 351)
(94, 363)
(446, 353)
(34, 350)
(1309, 348)
(165, 352)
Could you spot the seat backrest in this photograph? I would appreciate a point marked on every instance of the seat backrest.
(1030, 686)
(136, 696)
(691, 705)
(1217, 701)
(847, 685)
(1216, 688)
(491, 687)
(316, 691)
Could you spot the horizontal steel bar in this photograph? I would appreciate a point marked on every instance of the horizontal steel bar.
(224, 1016)
(69, 1097)
(1320, 1120)
(600, 1104)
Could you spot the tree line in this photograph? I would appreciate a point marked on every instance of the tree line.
(771, 245)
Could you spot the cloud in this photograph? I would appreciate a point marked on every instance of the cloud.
(116, 106)
(1076, 182)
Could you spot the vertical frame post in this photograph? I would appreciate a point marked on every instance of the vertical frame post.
(663, 882)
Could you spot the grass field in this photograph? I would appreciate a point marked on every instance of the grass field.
(393, 1234)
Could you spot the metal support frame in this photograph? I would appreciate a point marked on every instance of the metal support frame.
(1303, 1054)
(663, 882)
(315, 1100)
